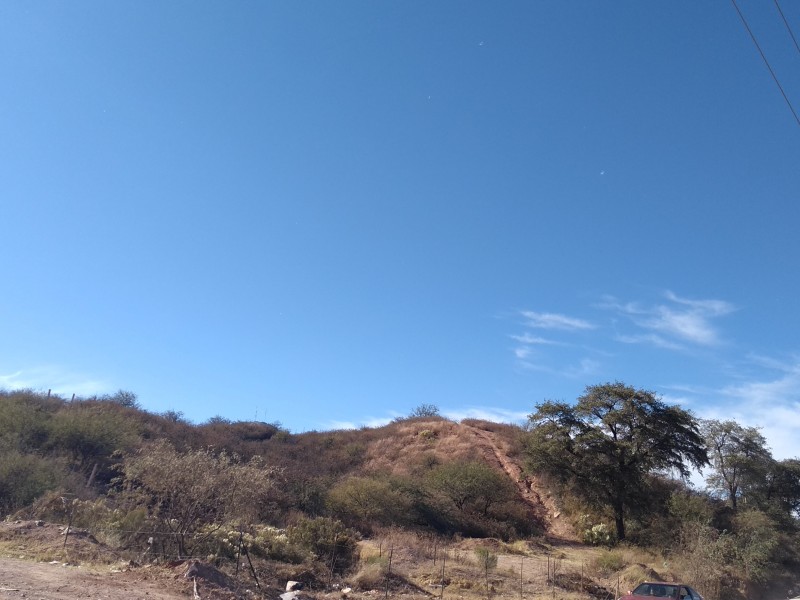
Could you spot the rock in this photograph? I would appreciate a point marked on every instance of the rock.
(208, 573)
(295, 595)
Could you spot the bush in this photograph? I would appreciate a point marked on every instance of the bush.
(25, 420)
(327, 540)
(599, 535)
(260, 540)
(608, 562)
(91, 431)
(370, 576)
(364, 502)
(187, 491)
(24, 478)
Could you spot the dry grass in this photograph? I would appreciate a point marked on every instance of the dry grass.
(46, 543)
(410, 445)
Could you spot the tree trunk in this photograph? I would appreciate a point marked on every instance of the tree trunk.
(619, 521)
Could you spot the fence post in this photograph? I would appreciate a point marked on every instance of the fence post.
(239, 549)
(389, 571)
(441, 590)
(249, 562)
(70, 505)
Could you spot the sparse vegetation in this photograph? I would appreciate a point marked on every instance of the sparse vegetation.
(149, 486)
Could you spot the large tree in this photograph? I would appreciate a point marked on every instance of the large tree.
(740, 459)
(610, 442)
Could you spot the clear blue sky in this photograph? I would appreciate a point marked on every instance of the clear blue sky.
(328, 213)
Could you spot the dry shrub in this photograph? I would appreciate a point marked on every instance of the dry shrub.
(608, 562)
(519, 547)
(370, 575)
(635, 574)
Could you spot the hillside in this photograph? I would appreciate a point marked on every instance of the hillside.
(415, 505)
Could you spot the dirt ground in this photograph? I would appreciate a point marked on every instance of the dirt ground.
(56, 581)
(37, 564)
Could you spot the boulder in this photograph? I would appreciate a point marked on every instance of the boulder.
(293, 586)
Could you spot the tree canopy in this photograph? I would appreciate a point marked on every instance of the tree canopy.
(740, 459)
(610, 442)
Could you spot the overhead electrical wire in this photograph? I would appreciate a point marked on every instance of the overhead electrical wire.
(766, 62)
(788, 28)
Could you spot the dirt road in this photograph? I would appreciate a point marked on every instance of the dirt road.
(45, 581)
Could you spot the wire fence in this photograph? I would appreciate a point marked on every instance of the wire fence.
(451, 571)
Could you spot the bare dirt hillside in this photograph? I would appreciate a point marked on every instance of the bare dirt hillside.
(496, 450)
(409, 443)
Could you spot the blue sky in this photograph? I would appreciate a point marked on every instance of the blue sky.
(328, 213)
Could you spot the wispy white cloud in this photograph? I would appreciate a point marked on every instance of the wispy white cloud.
(650, 338)
(57, 379)
(708, 307)
(366, 422)
(681, 319)
(495, 414)
(527, 338)
(522, 352)
(538, 320)
(584, 368)
(770, 403)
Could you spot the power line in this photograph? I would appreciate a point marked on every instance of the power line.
(766, 62)
(788, 28)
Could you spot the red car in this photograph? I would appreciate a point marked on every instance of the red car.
(659, 589)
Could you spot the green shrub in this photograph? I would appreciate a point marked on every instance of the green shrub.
(26, 477)
(364, 502)
(608, 562)
(599, 535)
(327, 540)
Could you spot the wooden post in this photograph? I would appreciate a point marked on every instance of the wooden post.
(69, 520)
(239, 549)
(444, 560)
(92, 476)
(521, 562)
(389, 570)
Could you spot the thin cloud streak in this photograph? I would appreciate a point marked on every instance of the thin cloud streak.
(57, 379)
(494, 414)
(539, 320)
(527, 338)
(683, 320)
(773, 405)
(652, 339)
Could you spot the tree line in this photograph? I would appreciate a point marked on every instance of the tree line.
(625, 457)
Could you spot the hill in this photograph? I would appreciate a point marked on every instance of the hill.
(417, 505)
